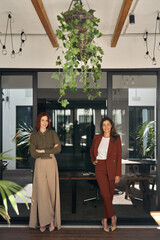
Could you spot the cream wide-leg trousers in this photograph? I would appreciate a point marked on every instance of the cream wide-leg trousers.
(45, 202)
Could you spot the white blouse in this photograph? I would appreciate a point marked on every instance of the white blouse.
(103, 148)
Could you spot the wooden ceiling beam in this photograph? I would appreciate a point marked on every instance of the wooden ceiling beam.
(41, 12)
(120, 22)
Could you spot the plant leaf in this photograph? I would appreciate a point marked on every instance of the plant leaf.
(4, 214)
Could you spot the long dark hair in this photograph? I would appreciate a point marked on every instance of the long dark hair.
(113, 133)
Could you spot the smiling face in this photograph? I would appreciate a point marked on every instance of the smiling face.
(106, 126)
(44, 123)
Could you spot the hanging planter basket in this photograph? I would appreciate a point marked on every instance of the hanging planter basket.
(80, 15)
(77, 19)
(78, 30)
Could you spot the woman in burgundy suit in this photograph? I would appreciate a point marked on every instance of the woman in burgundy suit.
(106, 155)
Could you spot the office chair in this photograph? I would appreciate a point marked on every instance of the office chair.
(97, 197)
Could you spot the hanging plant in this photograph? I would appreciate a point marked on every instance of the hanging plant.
(78, 31)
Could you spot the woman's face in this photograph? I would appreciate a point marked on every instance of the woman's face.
(106, 126)
(44, 122)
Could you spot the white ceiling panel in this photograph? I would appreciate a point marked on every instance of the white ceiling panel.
(26, 17)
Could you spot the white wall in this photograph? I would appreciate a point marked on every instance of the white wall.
(39, 53)
(142, 97)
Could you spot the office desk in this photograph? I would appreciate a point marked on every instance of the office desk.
(140, 173)
(142, 180)
(142, 165)
(79, 176)
(74, 177)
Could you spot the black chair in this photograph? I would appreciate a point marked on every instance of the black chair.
(4, 164)
(95, 198)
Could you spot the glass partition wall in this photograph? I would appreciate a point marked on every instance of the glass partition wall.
(134, 113)
(132, 100)
(76, 126)
(17, 104)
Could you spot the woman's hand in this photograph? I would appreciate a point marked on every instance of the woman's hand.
(40, 151)
(56, 145)
(117, 179)
(95, 162)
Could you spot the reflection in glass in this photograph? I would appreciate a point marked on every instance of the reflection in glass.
(134, 113)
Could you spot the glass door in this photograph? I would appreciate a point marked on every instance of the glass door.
(134, 113)
(17, 114)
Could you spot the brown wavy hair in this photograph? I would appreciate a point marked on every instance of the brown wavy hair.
(113, 133)
(38, 120)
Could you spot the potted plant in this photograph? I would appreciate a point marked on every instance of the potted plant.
(22, 139)
(78, 31)
(147, 140)
(22, 136)
(8, 189)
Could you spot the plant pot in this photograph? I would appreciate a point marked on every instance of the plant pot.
(81, 16)
(77, 30)
(82, 45)
(83, 52)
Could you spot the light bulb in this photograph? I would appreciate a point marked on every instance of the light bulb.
(154, 62)
(146, 55)
(23, 43)
(132, 82)
(145, 36)
(23, 38)
(4, 51)
(20, 51)
(10, 17)
(13, 54)
(12, 20)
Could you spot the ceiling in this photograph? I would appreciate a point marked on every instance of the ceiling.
(26, 18)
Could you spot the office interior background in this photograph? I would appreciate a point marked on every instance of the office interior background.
(130, 86)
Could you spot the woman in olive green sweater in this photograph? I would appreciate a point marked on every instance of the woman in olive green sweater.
(45, 204)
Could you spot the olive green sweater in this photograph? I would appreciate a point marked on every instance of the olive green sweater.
(45, 141)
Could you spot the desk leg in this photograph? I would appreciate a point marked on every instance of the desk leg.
(127, 188)
(73, 196)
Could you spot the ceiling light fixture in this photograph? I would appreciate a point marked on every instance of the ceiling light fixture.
(23, 38)
(145, 38)
(132, 19)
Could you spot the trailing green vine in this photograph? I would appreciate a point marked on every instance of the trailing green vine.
(78, 31)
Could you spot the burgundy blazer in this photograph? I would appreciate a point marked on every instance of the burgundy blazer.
(114, 155)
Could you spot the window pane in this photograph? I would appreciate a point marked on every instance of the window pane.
(134, 113)
(17, 112)
(76, 126)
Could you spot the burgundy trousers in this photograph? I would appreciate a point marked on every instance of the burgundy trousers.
(106, 186)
